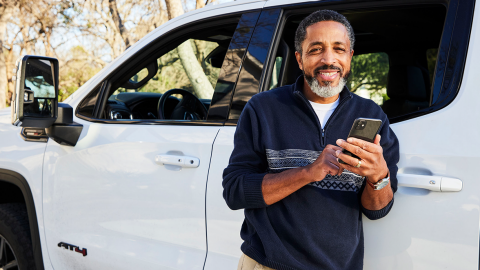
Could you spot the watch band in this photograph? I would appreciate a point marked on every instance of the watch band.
(380, 184)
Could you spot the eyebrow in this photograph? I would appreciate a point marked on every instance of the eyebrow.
(321, 43)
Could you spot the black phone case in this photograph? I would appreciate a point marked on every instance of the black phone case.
(366, 132)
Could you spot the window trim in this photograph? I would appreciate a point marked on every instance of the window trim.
(267, 18)
(158, 46)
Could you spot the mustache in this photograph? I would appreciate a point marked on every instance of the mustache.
(310, 78)
(320, 68)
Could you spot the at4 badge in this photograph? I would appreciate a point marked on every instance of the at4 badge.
(73, 248)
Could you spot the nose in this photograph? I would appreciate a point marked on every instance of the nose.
(328, 57)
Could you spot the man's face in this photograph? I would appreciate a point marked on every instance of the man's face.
(326, 53)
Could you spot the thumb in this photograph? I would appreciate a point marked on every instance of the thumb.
(377, 139)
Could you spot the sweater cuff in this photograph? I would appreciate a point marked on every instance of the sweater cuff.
(252, 188)
(377, 214)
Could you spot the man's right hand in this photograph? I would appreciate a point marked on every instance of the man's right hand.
(326, 163)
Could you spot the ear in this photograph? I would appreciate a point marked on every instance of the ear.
(299, 59)
(351, 54)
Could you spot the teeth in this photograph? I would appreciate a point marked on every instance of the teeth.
(328, 74)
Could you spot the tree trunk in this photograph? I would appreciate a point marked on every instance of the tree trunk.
(174, 8)
(10, 64)
(118, 22)
(5, 14)
(26, 42)
(197, 77)
(48, 45)
(200, 4)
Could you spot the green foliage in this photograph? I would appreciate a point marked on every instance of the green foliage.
(75, 72)
(369, 71)
(431, 62)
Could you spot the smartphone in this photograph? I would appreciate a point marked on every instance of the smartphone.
(365, 129)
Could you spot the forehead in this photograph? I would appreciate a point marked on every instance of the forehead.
(327, 31)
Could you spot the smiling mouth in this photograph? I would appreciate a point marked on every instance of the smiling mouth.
(328, 74)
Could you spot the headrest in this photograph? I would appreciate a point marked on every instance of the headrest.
(406, 82)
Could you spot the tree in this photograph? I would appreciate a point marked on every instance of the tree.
(31, 27)
(6, 11)
(103, 29)
(197, 77)
(117, 20)
(369, 70)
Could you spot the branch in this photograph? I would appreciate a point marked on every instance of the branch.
(357, 86)
(118, 21)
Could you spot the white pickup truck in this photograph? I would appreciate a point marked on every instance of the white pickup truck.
(126, 173)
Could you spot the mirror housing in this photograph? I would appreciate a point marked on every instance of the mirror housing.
(64, 131)
(34, 101)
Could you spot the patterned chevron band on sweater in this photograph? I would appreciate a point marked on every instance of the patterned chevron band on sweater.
(281, 160)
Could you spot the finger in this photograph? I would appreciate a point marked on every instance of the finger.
(358, 151)
(377, 139)
(367, 146)
(334, 147)
(348, 167)
(340, 168)
(333, 168)
(332, 151)
(347, 159)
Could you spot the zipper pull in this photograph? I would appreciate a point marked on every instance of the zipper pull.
(323, 137)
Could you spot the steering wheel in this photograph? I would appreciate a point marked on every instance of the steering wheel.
(189, 107)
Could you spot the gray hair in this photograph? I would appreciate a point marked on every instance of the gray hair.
(320, 16)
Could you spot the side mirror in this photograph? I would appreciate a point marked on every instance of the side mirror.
(36, 91)
(35, 104)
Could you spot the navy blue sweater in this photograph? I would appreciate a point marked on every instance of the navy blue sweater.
(320, 225)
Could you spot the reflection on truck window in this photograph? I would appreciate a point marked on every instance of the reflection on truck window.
(41, 107)
(431, 62)
(39, 78)
(40, 87)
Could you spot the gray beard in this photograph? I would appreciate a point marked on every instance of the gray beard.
(325, 91)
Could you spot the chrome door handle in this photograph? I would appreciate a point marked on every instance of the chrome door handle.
(182, 161)
(430, 182)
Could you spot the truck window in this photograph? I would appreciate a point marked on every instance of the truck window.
(188, 65)
(394, 58)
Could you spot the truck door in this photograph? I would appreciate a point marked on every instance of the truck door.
(435, 218)
(131, 193)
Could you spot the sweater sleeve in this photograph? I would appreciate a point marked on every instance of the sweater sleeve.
(390, 145)
(243, 177)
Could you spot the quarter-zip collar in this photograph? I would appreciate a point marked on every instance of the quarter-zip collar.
(345, 96)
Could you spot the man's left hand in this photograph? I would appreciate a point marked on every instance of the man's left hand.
(373, 165)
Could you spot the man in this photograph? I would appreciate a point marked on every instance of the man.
(303, 209)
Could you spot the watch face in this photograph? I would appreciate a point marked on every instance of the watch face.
(382, 184)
